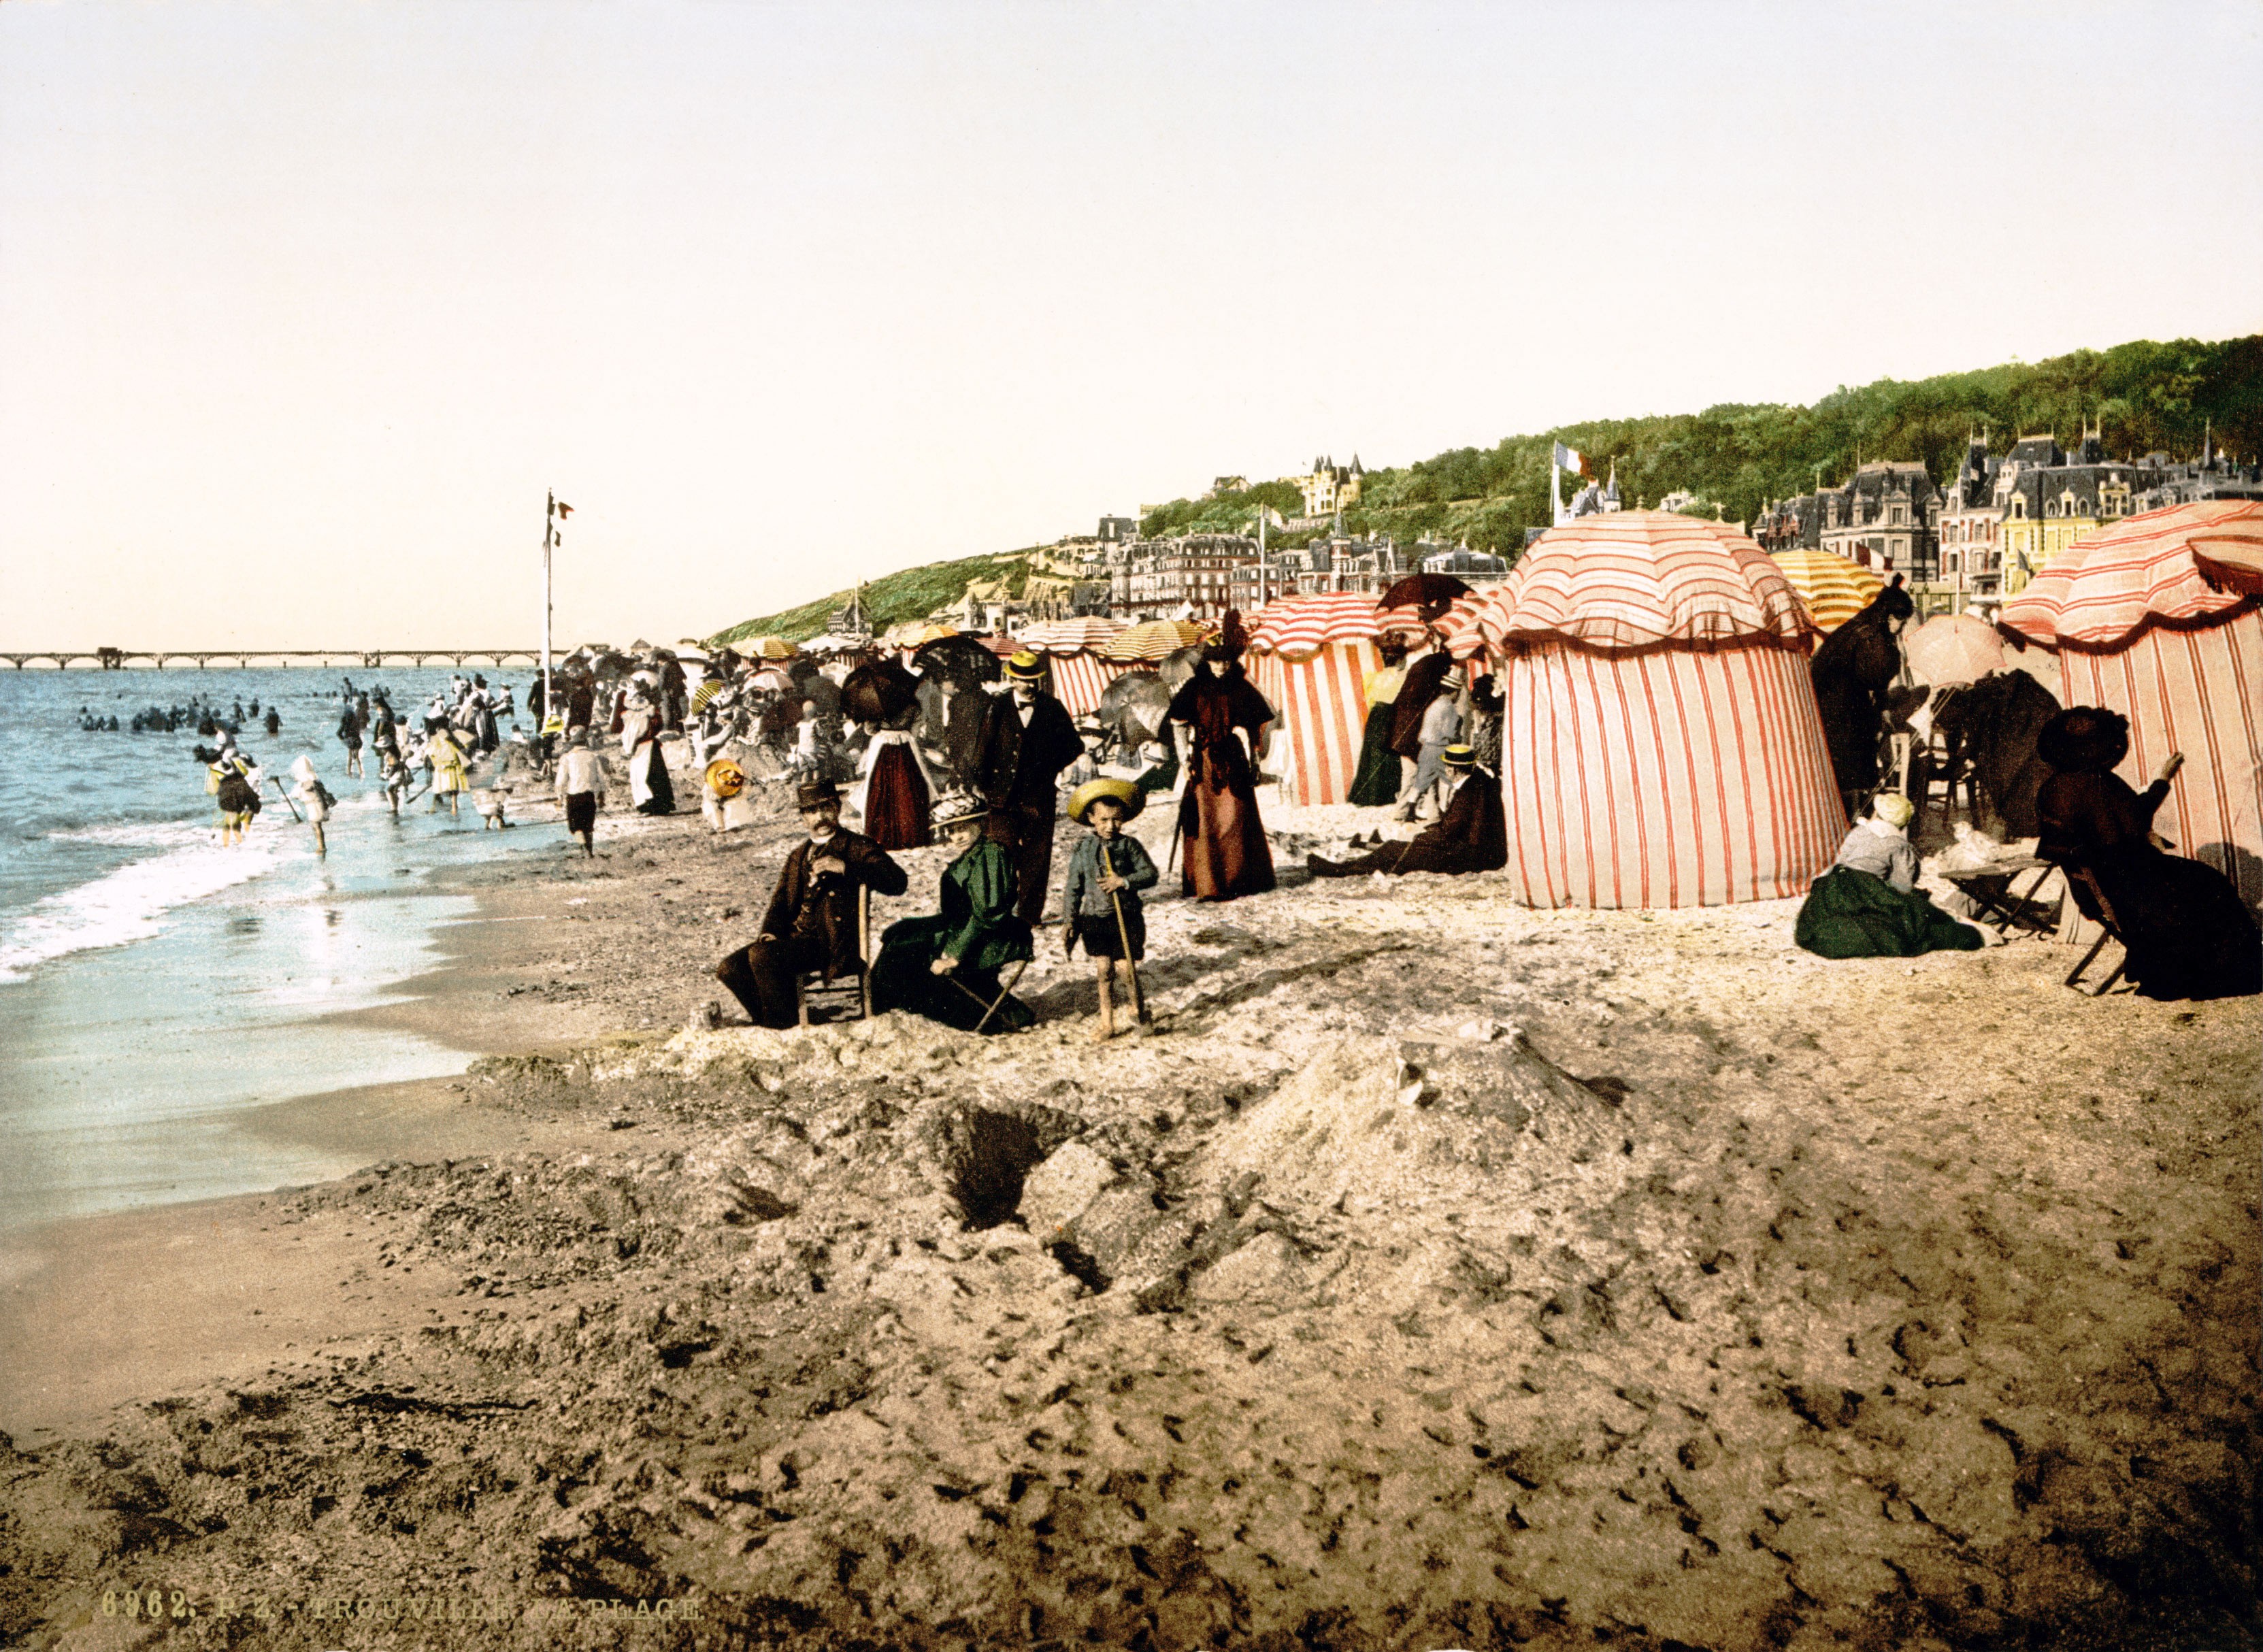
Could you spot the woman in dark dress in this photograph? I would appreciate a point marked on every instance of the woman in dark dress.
(2186, 931)
(1227, 854)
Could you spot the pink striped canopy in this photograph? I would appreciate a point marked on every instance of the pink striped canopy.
(2108, 586)
(1071, 636)
(1635, 578)
(1080, 674)
(1660, 744)
(1081, 679)
(2140, 629)
(1293, 626)
(1321, 696)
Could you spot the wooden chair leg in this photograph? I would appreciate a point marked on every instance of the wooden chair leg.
(2096, 948)
(1005, 992)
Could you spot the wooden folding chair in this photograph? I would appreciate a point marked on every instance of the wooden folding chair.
(845, 997)
(2077, 874)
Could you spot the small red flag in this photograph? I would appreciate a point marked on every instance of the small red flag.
(564, 510)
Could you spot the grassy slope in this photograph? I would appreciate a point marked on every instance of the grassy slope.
(2144, 395)
(905, 595)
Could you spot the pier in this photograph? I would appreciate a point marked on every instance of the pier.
(363, 659)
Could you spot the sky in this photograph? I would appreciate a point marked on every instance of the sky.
(305, 308)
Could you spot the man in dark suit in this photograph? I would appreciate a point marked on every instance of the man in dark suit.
(1027, 740)
(1471, 835)
(812, 921)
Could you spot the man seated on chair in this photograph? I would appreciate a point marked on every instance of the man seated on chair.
(812, 923)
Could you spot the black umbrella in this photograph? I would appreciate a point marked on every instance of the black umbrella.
(1432, 593)
(882, 693)
(962, 659)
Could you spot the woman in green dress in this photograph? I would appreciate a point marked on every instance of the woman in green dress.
(946, 967)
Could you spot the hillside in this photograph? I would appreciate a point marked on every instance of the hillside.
(2143, 395)
(906, 594)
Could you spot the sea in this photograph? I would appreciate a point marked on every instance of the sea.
(155, 986)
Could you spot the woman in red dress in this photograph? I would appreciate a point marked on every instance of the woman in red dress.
(1223, 717)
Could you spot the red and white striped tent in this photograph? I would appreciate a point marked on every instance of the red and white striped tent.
(2160, 617)
(1310, 657)
(1071, 651)
(1660, 744)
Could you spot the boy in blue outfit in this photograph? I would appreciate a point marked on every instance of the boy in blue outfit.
(1100, 902)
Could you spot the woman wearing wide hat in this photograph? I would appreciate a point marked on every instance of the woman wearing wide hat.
(1225, 720)
(946, 967)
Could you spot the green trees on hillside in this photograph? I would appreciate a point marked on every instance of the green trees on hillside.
(2145, 396)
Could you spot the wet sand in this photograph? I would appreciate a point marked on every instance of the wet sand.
(1432, 1273)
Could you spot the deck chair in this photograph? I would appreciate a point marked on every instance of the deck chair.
(2079, 874)
(845, 997)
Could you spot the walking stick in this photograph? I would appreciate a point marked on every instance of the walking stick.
(1124, 937)
(1005, 992)
(285, 796)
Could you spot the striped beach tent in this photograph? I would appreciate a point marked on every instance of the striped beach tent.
(1153, 640)
(1833, 589)
(1660, 744)
(1310, 657)
(2154, 618)
(1072, 652)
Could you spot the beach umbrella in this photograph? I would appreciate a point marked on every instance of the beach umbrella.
(1134, 705)
(1953, 649)
(1153, 640)
(1433, 594)
(962, 659)
(1833, 589)
(773, 680)
(2145, 622)
(880, 693)
(1070, 636)
(767, 649)
(1660, 745)
(1070, 647)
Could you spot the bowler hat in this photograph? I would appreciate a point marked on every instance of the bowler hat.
(815, 794)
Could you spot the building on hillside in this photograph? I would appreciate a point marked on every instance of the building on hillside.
(1337, 563)
(1118, 530)
(1472, 568)
(1330, 487)
(1191, 575)
(1884, 518)
(1220, 486)
(1971, 550)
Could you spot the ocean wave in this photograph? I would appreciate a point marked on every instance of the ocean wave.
(128, 904)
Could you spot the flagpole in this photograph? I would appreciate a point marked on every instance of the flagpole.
(549, 533)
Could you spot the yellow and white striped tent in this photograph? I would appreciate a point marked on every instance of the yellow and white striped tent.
(1833, 589)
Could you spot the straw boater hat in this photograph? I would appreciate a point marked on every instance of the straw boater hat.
(956, 808)
(815, 794)
(1459, 757)
(1091, 792)
(1025, 667)
(725, 779)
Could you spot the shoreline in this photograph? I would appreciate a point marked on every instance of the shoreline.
(718, 1315)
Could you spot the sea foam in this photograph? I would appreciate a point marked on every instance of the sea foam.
(129, 903)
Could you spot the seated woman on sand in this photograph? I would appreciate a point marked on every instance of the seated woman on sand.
(2186, 932)
(1868, 905)
(946, 967)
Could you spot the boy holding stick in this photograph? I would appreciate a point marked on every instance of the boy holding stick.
(1100, 902)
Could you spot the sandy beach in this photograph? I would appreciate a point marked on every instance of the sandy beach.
(1432, 1273)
